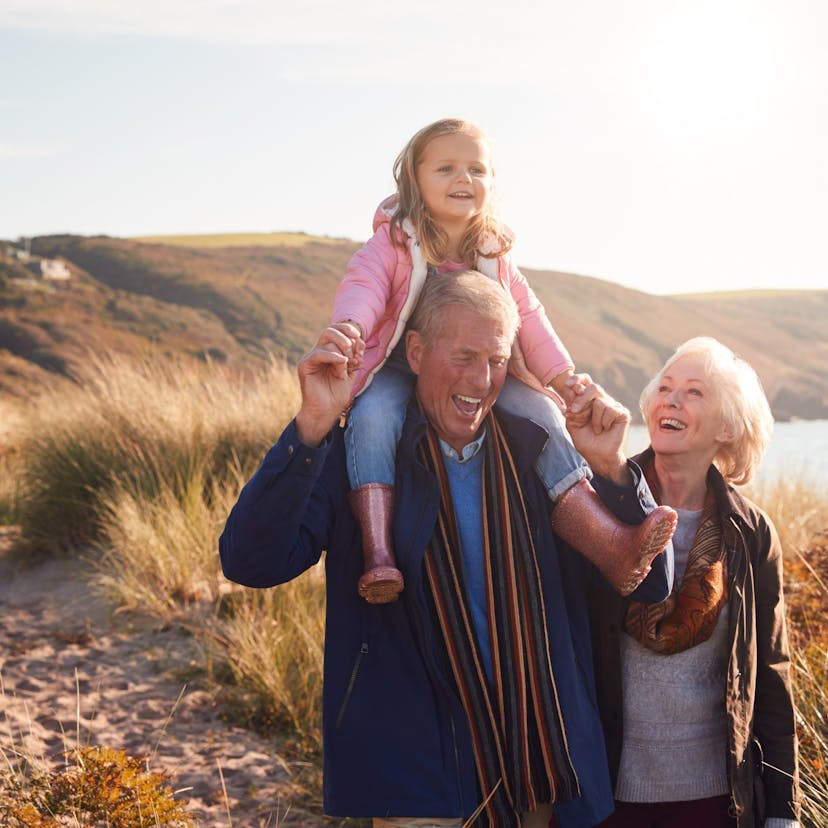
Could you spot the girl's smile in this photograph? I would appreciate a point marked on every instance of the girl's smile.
(454, 177)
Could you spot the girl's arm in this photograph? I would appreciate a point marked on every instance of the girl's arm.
(364, 293)
(545, 354)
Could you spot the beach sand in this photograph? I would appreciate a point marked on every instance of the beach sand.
(73, 673)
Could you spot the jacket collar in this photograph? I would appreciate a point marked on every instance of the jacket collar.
(728, 501)
(526, 438)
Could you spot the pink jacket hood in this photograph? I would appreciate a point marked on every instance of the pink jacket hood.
(383, 283)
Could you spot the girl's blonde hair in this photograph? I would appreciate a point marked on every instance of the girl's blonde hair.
(432, 238)
(742, 403)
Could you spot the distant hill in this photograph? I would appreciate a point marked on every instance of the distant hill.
(243, 299)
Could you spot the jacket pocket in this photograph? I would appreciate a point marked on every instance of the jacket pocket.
(351, 682)
(758, 768)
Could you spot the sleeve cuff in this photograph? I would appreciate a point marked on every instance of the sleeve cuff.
(626, 500)
(291, 452)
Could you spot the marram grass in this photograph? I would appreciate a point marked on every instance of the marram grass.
(141, 427)
(136, 468)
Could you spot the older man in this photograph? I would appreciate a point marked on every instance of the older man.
(475, 690)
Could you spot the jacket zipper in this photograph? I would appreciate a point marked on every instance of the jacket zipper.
(351, 681)
(456, 762)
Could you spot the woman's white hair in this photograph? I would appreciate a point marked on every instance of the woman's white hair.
(742, 402)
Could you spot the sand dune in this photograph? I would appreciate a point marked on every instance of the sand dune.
(72, 672)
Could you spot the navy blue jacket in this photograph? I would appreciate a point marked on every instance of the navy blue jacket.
(395, 736)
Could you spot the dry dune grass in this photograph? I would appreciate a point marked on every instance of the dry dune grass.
(135, 470)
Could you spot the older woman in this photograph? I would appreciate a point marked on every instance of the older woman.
(695, 693)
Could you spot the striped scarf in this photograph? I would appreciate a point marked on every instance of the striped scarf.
(520, 748)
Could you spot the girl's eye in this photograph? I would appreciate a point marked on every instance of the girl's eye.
(444, 168)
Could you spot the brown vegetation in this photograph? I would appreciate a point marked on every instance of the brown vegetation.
(241, 299)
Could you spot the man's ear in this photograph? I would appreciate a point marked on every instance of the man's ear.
(414, 346)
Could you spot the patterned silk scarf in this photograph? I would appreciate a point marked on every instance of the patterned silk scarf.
(689, 614)
(520, 748)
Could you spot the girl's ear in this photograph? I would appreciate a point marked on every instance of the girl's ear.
(414, 345)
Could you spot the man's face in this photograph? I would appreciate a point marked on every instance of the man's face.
(459, 378)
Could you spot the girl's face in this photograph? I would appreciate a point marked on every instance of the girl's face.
(454, 175)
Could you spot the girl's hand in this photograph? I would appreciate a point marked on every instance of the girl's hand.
(357, 350)
(570, 386)
(326, 380)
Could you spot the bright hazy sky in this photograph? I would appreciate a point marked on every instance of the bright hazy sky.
(669, 146)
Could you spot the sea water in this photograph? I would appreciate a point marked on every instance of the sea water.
(798, 449)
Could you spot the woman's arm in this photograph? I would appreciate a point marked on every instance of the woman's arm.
(774, 722)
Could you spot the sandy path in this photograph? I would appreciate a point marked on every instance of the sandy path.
(67, 667)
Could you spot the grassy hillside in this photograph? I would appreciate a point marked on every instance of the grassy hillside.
(241, 299)
(622, 336)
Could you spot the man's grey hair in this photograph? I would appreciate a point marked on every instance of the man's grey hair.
(469, 289)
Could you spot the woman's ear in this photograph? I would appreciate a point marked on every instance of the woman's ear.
(414, 346)
(725, 434)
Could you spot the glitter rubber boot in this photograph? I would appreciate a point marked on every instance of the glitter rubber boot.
(622, 553)
(373, 508)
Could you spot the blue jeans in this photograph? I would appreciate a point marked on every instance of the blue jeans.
(376, 420)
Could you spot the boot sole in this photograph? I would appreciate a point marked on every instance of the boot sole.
(382, 585)
(662, 524)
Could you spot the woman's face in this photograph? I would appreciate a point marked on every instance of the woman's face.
(684, 417)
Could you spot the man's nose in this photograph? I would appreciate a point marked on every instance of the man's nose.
(480, 376)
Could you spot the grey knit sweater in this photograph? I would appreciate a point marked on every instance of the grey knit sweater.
(675, 725)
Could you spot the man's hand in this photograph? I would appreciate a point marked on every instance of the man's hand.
(598, 426)
(326, 380)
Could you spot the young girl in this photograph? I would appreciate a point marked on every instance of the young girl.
(441, 221)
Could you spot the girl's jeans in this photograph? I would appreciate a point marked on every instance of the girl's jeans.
(376, 420)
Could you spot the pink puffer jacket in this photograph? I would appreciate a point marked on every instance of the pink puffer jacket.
(384, 281)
